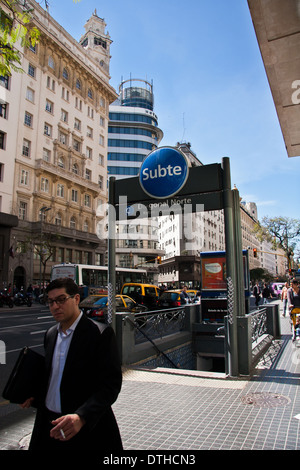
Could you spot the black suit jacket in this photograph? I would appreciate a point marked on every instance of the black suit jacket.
(90, 384)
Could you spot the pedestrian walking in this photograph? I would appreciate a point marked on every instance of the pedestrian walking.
(256, 293)
(284, 298)
(82, 379)
(266, 294)
(294, 294)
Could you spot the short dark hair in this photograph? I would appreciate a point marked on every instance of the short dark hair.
(63, 283)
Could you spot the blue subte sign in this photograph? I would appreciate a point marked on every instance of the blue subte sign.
(163, 172)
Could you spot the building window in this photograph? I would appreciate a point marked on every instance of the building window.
(101, 159)
(75, 169)
(60, 255)
(87, 200)
(26, 148)
(77, 256)
(31, 70)
(45, 185)
(51, 62)
(23, 210)
(1, 172)
(100, 42)
(78, 103)
(73, 223)
(58, 219)
(47, 130)
(65, 94)
(63, 138)
(24, 177)
(30, 95)
(60, 190)
(4, 81)
(122, 170)
(77, 124)
(50, 84)
(76, 145)
(28, 119)
(90, 94)
(89, 153)
(89, 132)
(100, 181)
(102, 121)
(88, 174)
(3, 110)
(49, 106)
(64, 116)
(61, 162)
(46, 155)
(101, 140)
(65, 74)
(74, 195)
(129, 143)
(85, 226)
(32, 48)
(68, 255)
(78, 84)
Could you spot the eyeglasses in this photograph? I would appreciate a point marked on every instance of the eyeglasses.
(59, 300)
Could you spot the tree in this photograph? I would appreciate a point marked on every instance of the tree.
(260, 274)
(282, 232)
(15, 28)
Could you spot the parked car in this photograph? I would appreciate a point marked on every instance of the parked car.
(99, 309)
(89, 301)
(277, 288)
(144, 294)
(171, 298)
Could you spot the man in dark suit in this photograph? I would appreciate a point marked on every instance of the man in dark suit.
(82, 379)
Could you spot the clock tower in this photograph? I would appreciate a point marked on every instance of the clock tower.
(97, 42)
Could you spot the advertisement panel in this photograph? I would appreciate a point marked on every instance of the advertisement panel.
(213, 271)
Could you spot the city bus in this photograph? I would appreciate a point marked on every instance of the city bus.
(95, 278)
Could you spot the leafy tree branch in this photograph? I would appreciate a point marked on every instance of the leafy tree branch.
(281, 232)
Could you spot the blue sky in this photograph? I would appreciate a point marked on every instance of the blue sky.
(210, 86)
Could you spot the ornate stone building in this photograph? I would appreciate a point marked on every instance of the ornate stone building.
(55, 152)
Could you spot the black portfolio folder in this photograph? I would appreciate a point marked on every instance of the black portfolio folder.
(25, 378)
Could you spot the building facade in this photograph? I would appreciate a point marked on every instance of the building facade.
(133, 133)
(54, 151)
(184, 236)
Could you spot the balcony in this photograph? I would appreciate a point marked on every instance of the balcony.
(69, 176)
(67, 233)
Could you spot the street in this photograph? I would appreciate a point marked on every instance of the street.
(19, 327)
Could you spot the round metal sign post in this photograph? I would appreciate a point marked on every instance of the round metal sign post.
(164, 172)
(111, 253)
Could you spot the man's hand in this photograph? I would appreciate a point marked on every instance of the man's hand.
(27, 403)
(66, 427)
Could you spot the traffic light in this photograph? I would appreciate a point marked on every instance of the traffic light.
(255, 252)
(159, 259)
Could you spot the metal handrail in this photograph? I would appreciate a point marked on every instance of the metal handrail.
(133, 323)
